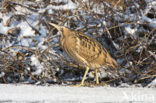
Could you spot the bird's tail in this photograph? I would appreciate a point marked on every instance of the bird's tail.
(114, 68)
(113, 63)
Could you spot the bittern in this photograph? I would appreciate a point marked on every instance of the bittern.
(86, 51)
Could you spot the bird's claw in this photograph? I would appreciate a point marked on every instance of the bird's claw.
(78, 85)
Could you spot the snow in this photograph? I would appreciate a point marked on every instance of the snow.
(2, 74)
(153, 83)
(150, 5)
(3, 27)
(37, 64)
(26, 29)
(40, 41)
(69, 5)
(130, 30)
(66, 94)
(152, 22)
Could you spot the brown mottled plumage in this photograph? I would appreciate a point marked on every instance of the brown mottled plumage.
(85, 50)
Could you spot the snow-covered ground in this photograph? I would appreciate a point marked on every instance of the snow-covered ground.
(10, 93)
(25, 34)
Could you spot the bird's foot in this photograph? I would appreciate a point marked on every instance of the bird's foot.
(103, 83)
(97, 85)
(78, 85)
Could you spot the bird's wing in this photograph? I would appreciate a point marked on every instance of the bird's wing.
(84, 47)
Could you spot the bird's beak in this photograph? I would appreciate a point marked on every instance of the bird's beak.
(56, 26)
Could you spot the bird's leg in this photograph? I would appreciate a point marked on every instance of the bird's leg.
(97, 79)
(84, 77)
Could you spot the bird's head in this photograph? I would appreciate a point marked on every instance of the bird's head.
(59, 28)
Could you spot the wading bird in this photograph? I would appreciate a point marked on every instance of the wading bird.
(85, 50)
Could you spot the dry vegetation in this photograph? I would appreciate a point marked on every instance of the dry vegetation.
(109, 21)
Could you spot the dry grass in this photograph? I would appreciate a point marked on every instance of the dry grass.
(136, 55)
